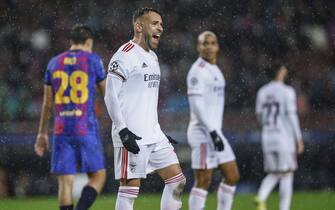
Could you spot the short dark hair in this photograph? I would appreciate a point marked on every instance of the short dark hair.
(273, 70)
(142, 11)
(80, 33)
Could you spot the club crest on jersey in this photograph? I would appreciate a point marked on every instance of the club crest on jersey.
(194, 81)
(113, 66)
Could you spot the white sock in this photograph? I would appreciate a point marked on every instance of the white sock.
(225, 196)
(197, 199)
(126, 197)
(285, 191)
(268, 183)
(171, 197)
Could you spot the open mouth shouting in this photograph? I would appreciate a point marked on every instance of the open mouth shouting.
(156, 37)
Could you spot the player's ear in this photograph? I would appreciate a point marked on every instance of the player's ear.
(89, 45)
(218, 48)
(198, 47)
(138, 26)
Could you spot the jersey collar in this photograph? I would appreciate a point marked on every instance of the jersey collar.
(139, 47)
(206, 62)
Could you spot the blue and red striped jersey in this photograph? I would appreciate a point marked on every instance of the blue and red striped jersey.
(73, 76)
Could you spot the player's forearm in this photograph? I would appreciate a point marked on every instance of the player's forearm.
(102, 87)
(46, 109)
(113, 86)
(45, 117)
(295, 125)
(199, 109)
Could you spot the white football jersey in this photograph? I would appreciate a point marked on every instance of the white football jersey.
(274, 104)
(207, 81)
(140, 72)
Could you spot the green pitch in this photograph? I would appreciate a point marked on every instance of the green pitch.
(301, 201)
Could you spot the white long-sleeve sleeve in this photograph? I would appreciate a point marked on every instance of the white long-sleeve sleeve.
(113, 87)
(294, 120)
(293, 116)
(258, 109)
(198, 107)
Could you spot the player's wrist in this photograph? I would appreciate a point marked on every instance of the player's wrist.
(211, 128)
(215, 137)
(213, 134)
(124, 134)
(120, 128)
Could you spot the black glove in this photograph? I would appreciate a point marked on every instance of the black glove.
(171, 140)
(129, 140)
(218, 143)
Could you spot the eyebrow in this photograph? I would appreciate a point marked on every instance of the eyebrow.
(157, 22)
(210, 41)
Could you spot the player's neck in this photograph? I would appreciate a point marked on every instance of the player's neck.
(140, 41)
(78, 47)
(279, 78)
(211, 61)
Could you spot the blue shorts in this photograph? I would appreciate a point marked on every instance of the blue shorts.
(76, 154)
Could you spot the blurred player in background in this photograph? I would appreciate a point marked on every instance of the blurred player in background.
(210, 149)
(140, 146)
(70, 81)
(276, 110)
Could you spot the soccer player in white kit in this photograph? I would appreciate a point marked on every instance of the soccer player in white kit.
(276, 110)
(140, 146)
(210, 149)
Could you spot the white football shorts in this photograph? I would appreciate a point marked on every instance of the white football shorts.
(204, 156)
(277, 161)
(150, 158)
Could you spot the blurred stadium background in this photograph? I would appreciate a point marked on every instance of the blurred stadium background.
(251, 34)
